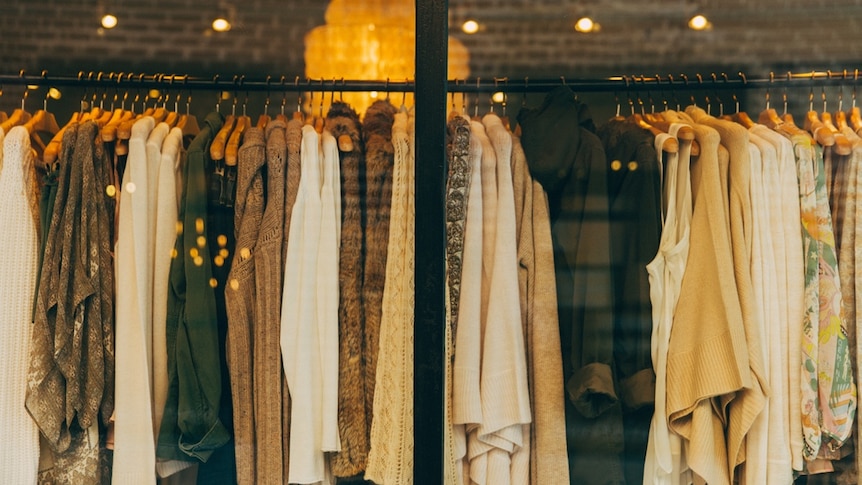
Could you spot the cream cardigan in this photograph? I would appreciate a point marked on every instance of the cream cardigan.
(19, 453)
(134, 437)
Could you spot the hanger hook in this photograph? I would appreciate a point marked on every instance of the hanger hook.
(404, 93)
(218, 92)
(322, 95)
(476, 106)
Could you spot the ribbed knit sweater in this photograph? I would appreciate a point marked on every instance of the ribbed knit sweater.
(240, 300)
(353, 428)
(268, 374)
(390, 460)
(19, 455)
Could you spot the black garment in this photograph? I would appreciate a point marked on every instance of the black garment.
(634, 191)
(567, 158)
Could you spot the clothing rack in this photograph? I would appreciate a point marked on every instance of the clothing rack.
(431, 88)
(239, 83)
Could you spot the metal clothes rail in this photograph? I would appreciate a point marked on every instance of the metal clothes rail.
(239, 83)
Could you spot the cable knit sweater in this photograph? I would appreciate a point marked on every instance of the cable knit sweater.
(19, 455)
(390, 460)
(240, 300)
(342, 120)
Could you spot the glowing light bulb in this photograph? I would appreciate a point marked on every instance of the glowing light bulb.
(498, 97)
(221, 25)
(586, 24)
(470, 27)
(109, 21)
(698, 22)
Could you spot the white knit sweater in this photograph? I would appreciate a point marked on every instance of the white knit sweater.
(19, 452)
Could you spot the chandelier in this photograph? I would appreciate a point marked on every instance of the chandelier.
(371, 40)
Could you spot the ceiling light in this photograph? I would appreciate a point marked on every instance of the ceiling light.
(498, 97)
(221, 25)
(109, 21)
(470, 27)
(586, 24)
(54, 93)
(699, 22)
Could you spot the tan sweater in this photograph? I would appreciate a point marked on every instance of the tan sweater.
(707, 355)
(548, 458)
(749, 403)
(268, 270)
(240, 299)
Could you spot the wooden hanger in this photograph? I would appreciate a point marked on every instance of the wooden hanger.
(109, 132)
(841, 120)
(217, 147)
(189, 122)
(842, 145)
(3, 116)
(855, 119)
(818, 130)
(743, 119)
(42, 121)
(670, 145)
(18, 117)
(231, 151)
(685, 133)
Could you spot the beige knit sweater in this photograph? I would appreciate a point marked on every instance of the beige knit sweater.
(749, 403)
(270, 454)
(707, 356)
(390, 460)
(240, 299)
(548, 458)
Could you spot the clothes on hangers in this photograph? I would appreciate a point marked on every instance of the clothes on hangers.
(19, 455)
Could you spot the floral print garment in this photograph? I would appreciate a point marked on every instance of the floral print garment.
(828, 391)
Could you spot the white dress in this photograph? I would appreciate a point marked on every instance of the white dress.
(19, 453)
(664, 462)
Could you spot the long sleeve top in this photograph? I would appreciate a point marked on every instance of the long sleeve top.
(191, 429)
(19, 455)
(567, 158)
(134, 438)
(240, 297)
(391, 456)
(548, 458)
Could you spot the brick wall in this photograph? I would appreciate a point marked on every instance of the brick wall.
(518, 38)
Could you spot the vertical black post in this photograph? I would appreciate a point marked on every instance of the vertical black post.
(432, 31)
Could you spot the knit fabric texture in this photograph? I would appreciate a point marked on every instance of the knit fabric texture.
(240, 298)
(391, 457)
(267, 370)
(19, 455)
